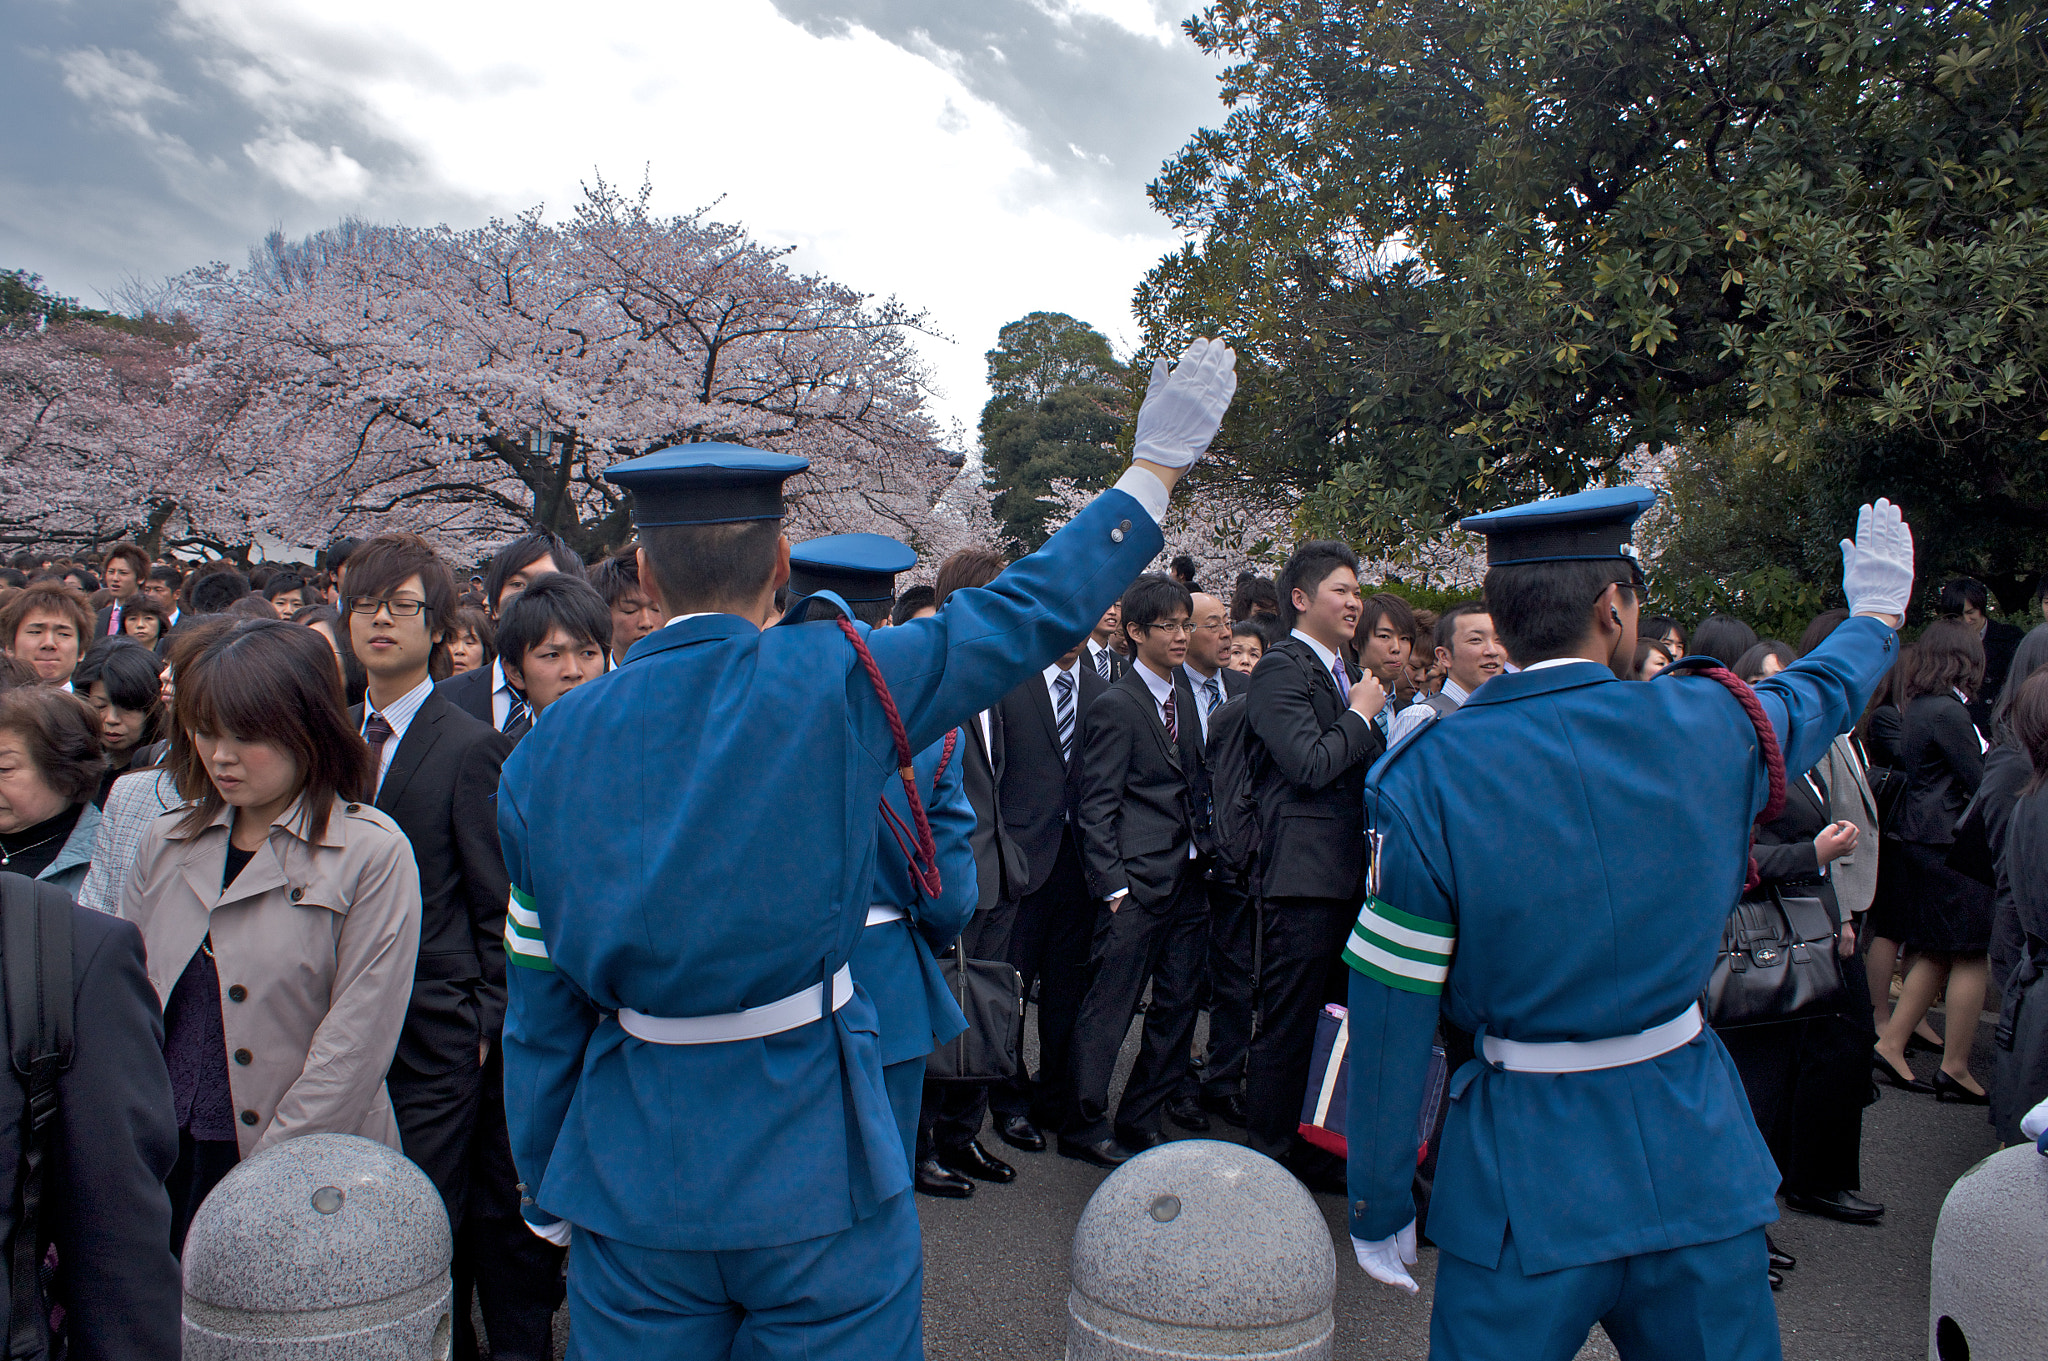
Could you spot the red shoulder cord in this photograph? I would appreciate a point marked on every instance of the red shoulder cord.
(918, 846)
(1767, 739)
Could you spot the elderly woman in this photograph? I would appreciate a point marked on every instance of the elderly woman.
(50, 768)
(281, 914)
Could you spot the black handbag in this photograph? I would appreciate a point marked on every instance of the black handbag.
(991, 995)
(1777, 963)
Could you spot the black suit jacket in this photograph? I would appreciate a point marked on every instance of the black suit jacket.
(1944, 764)
(442, 791)
(1136, 817)
(470, 692)
(1041, 788)
(1311, 789)
(2001, 641)
(1784, 851)
(999, 865)
(1118, 663)
(1234, 683)
(117, 1139)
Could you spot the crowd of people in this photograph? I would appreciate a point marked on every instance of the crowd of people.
(287, 781)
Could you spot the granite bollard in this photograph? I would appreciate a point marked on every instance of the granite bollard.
(327, 1247)
(1987, 1297)
(1199, 1248)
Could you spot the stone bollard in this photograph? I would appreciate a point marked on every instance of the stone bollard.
(1987, 1297)
(327, 1247)
(1199, 1248)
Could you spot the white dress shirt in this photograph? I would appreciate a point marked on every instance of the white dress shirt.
(501, 695)
(399, 714)
(1384, 719)
(1196, 682)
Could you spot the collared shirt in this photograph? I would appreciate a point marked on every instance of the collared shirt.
(1458, 693)
(501, 695)
(1383, 720)
(399, 714)
(1095, 651)
(1161, 688)
(1199, 683)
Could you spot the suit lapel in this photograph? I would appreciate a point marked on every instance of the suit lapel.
(419, 739)
(1135, 683)
(1041, 700)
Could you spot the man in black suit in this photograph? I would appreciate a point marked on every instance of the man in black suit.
(1969, 602)
(122, 572)
(1101, 656)
(437, 777)
(1215, 1085)
(949, 1149)
(483, 692)
(1140, 755)
(1043, 720)
(1318, 722)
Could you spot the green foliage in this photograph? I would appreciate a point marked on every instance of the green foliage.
(1474, 248)
(1058, 410)
(25, 304)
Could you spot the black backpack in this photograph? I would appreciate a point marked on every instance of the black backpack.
(35, 961)
(1237, 762)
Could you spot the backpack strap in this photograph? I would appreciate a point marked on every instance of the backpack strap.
(1766, 739)
(35, 953)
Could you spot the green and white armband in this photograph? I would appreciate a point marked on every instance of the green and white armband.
(1401, 949)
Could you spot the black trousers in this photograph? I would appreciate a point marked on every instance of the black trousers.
(954, 1112)
(515, 1275)
(437, 1115)
(1165, 946)
(201, 1165)
(1055, 928)
(1230, 985)
(1300, 969)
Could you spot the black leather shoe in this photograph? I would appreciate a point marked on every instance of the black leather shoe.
(975, 1161)
(1229, 1109)
(1946, 1088)
(1018, 1132)
(1186, 1112)
(1138, 1140)
(1107, 1153)
(1777, 1281)
(1906, 1083)
(934, 1180)
(1846, 1206)
(1916, 1043)
(1781, 1260)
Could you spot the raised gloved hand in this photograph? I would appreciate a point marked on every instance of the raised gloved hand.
(1185, 405)
(1388, 1260)
(1877, 565)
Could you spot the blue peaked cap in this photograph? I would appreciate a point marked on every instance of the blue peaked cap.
(1590, 526)
(859, 567)
(705, 484)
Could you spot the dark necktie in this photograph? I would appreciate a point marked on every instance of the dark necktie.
(1103, 664)
(1063, 712)
(518, 718)
(1172, 727)
(377, 732)
(1212, 695)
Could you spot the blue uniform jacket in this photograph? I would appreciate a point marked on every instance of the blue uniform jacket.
(1585, 839)
(694, 834)
(913, 1008)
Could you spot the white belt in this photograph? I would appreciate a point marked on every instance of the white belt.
(771, 1018)
(882, 912)
(1586, 1056)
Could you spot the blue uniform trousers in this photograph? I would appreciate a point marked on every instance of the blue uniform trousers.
(905, 1084)
(855, 1295)
(1708, 1302)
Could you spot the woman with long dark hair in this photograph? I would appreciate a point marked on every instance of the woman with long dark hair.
(123, 681)
(285, 987)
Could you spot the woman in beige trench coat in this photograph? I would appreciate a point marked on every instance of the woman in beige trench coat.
(281, 914)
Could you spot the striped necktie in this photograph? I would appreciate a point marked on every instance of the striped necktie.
(1103, 663)
(1172, 727)
(1063, 712)
(1212, 695)
(518, 718)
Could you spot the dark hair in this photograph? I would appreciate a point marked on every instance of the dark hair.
(1150, 599)
(62, 735)
(130, 553)
(88, 580)
(617, 576)
(967, 568)
(1644, 647)
(2030, 656)
(212, 589)
(1750, 666)
(1446, 635)
(1184, 569)
(163, 571)
(1307, 569)
(873, 613)
(1251, 628)
(309, 615)
(523, 552)
(251, 606)
(1960, 593)
(1946, 656)
(1722, 637)
(46, 597)
(705, 566)
(281, 583)
(2030, 726)
(142, 605)
(336, 553)
(1385, 605)
(1818, 629)
(10, 576)
(260, 578)
(550, 601)
(910, 600)
(381, 565)
(15, 672)
(269, 681)
(1251, 592)
(470, 619)
(1542, 609)
(1660, 626)
(129, 670)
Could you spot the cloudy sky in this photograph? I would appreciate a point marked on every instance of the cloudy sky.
(977, 158)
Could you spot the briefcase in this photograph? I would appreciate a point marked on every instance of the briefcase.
(1777, 963)
(991, 995)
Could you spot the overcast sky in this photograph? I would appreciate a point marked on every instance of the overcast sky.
(977, 158)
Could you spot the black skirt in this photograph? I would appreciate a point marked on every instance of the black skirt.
(1890, 914)
(1946, 912)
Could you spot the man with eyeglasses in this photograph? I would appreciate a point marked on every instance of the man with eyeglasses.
(1141, 752)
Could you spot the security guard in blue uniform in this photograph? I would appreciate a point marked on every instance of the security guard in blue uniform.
(1550, 879)
(914, 1010)
(693, 1078)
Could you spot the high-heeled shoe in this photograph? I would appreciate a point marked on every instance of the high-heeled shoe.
(1947, 1088)
(1906, 1082)
(1916, 1043)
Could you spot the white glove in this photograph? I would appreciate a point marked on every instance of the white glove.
(1387, 1260)
(2035, 1121)
(1877, 566)
(556, 1233)
(1184, 407)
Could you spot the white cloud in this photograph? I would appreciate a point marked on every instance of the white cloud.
(325, 176)
(118, 79)
(1132, 16)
